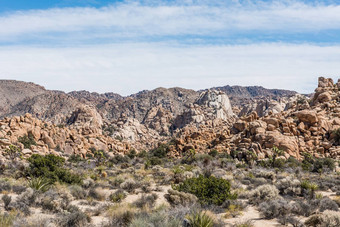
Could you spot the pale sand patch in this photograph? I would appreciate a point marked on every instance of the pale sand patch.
(252, 214)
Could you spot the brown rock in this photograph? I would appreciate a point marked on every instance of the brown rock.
(307, 116)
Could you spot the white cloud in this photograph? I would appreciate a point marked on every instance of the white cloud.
(136, 20)
(128, 68)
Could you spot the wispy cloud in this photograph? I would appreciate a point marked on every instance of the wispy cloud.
(135, 20)
(128, 68)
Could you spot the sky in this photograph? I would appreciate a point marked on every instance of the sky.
(129, 46)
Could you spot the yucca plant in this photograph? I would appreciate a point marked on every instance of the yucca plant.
(39, 184)
(200, 219)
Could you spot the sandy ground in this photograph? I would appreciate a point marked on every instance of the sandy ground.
(252, 214)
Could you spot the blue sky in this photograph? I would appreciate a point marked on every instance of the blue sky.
(127, 46)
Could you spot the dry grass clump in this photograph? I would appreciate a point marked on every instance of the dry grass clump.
(263, 193)
(78, 192)
(176, 198)
(129, 185)
(289, 186)
(160, 218)
(146, 201)
(275, 208)
(117, 196)
(97, 193)
(326, 219)
(120, 216)
(247, 223)
(75, 217)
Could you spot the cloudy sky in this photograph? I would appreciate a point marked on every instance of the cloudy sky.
(128, 46)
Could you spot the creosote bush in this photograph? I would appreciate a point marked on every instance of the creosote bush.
(27, 141)
(51, 168)
(208, 190)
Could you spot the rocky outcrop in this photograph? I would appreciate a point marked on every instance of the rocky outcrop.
(202, 121)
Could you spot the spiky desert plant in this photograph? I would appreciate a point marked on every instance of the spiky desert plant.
(200, 219)
(39, 184)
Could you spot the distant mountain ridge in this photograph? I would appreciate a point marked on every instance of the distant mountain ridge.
(18, 98)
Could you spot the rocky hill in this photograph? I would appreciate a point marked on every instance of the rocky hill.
(79, 122)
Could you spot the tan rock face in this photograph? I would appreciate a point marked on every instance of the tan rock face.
(307, 116)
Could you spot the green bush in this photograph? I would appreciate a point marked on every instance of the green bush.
(213, 153)
(161, 151)
(132, 154)
(51, 168)
(208, 190)
(27, 141)
(318, 165)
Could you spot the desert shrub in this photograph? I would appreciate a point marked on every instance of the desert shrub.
(255, 182)
(75, 158)
(121, 217)
(27, 141)
(18, 188)
(161, 151)
(323, 164)
(303, 208)
(176, 198)
(13, 152)
(294, 221)
(200, 219)
(326, 219)
(270, 175)
(208, 190)
(39, 184)
(233, 210)
(75, 218)
(213, 153)
(7, 200)
(88, 183)
(100, 157)
(97, 193)
(50, 167)
(318, 165)
(55, 200)
(152, 161)
(289, 186)
(77, 192)
(5, 185)
(118, 158)
(309, 187)
(6, 219)
(275, 208)
(132, 154)
(159, 218)
(36, 222)
(28, 197)
(263, 193)
(293, 162)
(328, 204)
(146, 201)
(247, 223)
(117, 196)
(129, 185)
